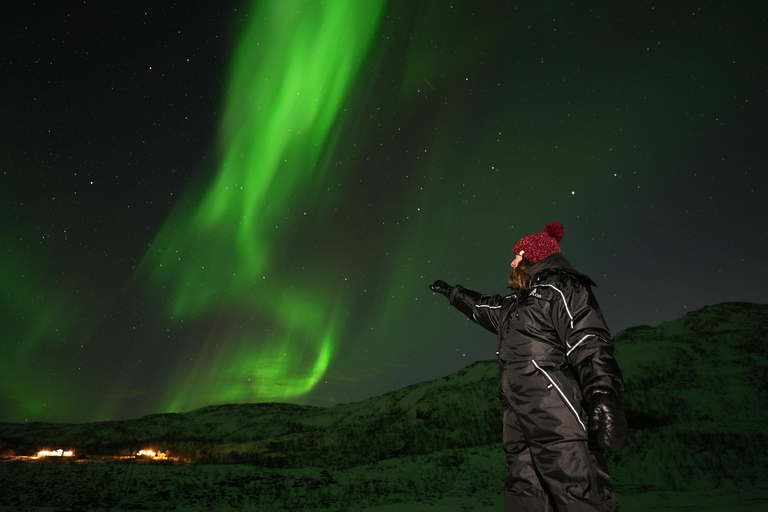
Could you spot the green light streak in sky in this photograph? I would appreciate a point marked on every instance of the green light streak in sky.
(290, 75)
(41, 318)
(289, 363)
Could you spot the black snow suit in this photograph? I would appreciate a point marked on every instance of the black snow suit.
(554, 351)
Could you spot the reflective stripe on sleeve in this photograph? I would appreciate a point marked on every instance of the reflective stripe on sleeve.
(577, 344)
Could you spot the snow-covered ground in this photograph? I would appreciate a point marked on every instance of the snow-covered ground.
(747, 499)
(424, 485)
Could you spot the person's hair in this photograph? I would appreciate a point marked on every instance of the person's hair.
(520, 279)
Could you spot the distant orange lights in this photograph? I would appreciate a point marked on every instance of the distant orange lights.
(55, 453)
(151, 454)
(146, 455)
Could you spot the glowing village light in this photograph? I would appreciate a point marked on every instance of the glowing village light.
(55, 453)
(152, 454)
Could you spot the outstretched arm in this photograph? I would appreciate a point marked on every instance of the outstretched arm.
(484, 310)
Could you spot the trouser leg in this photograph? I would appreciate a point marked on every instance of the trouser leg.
(604, 484)
(571, 469)
(574, 477)
(523, 491)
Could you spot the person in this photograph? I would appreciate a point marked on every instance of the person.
(559, 384)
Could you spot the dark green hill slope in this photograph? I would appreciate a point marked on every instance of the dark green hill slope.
(696, 398)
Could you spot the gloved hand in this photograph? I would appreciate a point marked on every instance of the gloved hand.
(441, 287)
(607, 419)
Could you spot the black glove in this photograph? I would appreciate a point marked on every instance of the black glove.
(607, 419)
(441, 287)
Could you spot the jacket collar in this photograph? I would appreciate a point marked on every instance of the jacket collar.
(556, 262)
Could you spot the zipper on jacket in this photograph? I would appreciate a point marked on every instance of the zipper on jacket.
(562, 395)
(516, 305)
(501, 323)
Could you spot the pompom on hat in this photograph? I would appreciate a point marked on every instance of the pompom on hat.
(538, 246)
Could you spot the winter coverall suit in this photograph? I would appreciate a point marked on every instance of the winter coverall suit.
(554, 354)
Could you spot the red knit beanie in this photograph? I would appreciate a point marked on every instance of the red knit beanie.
(538, 246)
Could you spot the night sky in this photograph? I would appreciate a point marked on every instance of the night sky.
(217, 202)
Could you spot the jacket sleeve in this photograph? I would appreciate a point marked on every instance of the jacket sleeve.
(484, 310)
(581, 327)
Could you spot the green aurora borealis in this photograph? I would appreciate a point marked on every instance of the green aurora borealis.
(247, 201)
(293, 68)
